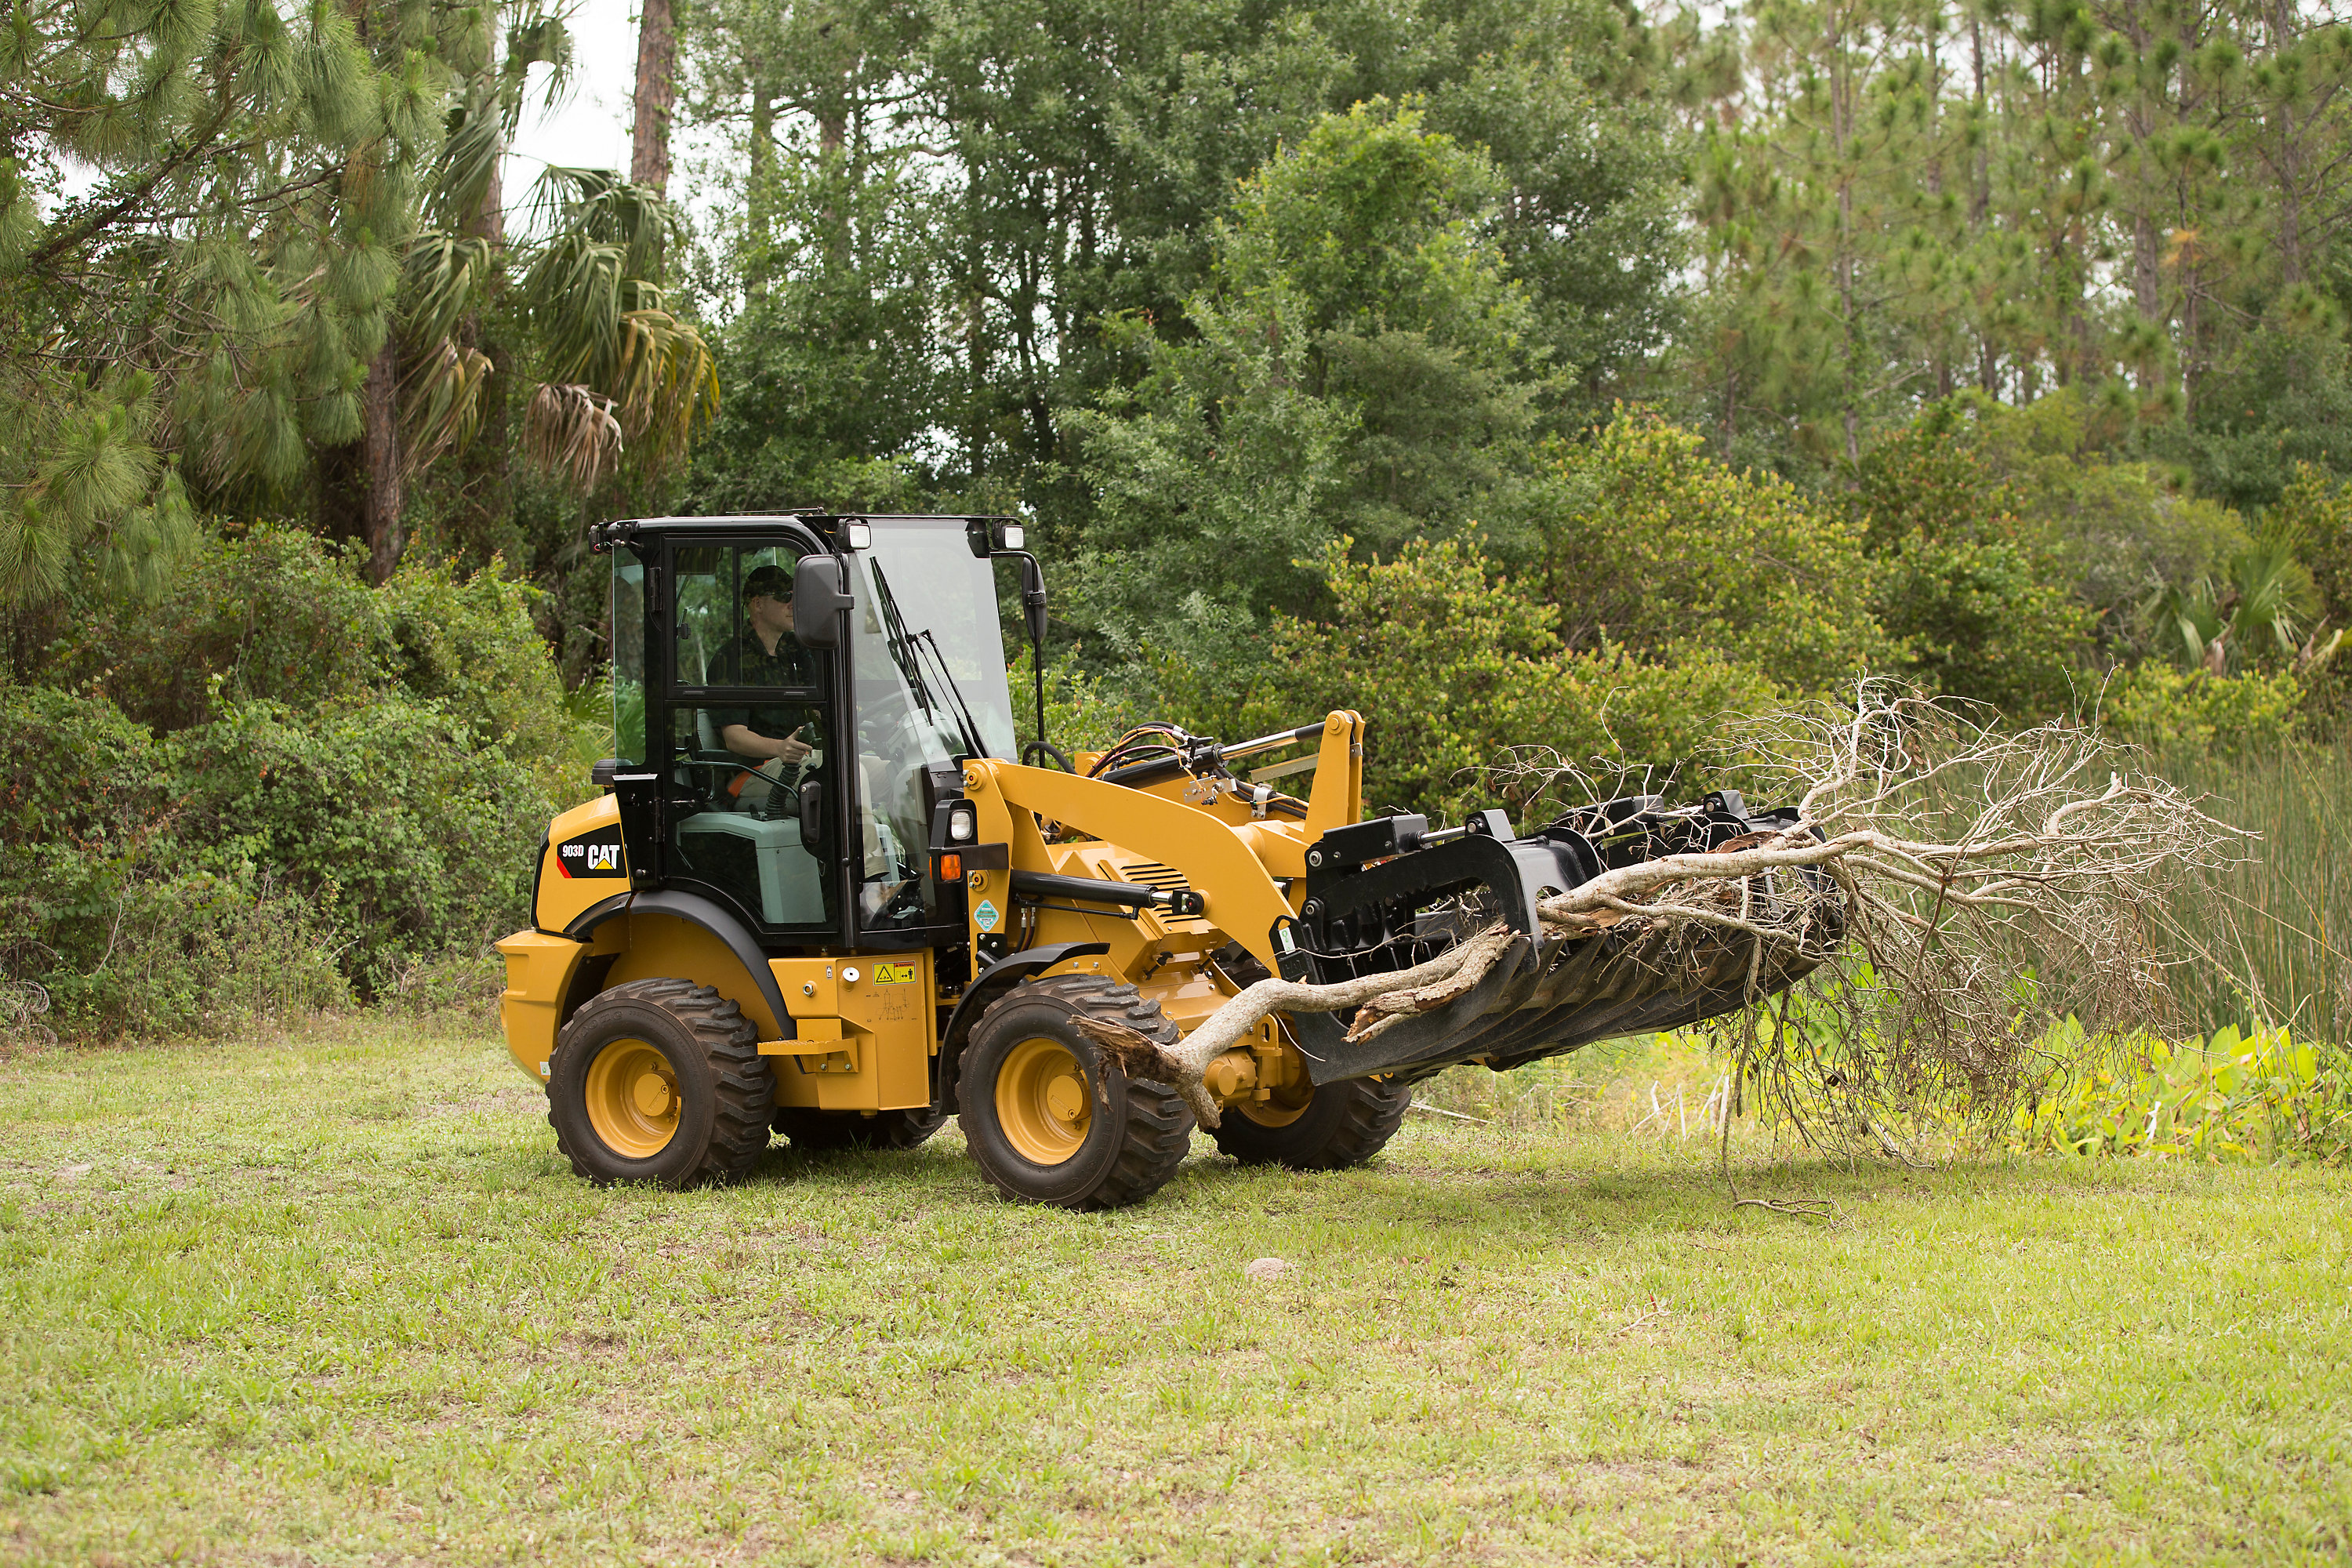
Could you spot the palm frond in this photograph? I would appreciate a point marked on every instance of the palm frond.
(571, 433)
(443, 279)
(441, 401)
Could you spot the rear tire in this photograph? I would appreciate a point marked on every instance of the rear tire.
(814, 1132)
(1049, 1117)
(659, 1080)
(1339, 1125)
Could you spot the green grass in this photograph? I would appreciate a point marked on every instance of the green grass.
(334, 1299)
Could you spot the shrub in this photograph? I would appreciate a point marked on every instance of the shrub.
(1980, 596)
(1649, 544)
(274, 789)
(2169, 710)
(1450, 669)
(104, 904)
(273, 614)
(390, 816)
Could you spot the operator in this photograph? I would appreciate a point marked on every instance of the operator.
(766, 653)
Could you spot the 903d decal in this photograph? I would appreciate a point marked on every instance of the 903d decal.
(591, 854)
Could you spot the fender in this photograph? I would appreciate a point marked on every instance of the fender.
(994, 981)
(696, 910)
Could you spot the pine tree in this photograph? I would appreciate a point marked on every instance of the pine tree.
(186, 328)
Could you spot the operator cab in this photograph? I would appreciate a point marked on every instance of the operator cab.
(792, 699)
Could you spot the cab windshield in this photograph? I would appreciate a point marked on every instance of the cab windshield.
(928, 660)
(928, 653)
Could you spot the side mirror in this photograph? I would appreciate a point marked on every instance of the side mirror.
(819, 597)
(812, 816)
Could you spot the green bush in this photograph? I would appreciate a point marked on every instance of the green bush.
(1980, 595)
(275, 789)
(271, 614)
(400, 827)
(1450, 670)
(1651, 545)
(107, 903)
(2171, 712)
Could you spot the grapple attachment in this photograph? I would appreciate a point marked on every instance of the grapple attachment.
(1386, 894)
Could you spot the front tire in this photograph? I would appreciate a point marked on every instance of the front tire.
(1049, 1117)
(1329, 1127)
(659, 1080)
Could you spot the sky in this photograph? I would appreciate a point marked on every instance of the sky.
(591, 130)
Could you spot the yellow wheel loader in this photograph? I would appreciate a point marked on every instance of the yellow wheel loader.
(819, 896)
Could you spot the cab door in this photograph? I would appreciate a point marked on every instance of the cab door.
(748, 728)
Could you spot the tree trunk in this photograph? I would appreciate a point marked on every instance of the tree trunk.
(657, 95)
(762, 175)
(380, 416)
(2281, 17)
(485, 504)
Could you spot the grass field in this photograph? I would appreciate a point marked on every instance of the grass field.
(334, 1299)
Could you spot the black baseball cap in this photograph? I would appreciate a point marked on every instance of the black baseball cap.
(767, 583)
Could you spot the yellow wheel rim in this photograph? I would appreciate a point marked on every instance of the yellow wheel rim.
(1288, 1104)
(1043, 1101)
(633, 1099)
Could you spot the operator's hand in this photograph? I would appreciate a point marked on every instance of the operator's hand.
(792, 750)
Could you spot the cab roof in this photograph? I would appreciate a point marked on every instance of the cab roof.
(604, 536)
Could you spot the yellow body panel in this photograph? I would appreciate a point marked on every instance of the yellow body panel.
(866, 1042)
(562, 898)
(539, 969)
(657, 946)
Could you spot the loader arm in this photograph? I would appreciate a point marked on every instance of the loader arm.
(1243, 899)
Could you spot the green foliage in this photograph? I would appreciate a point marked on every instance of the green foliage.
(930, 215)
(205, 310)
(124, 923)
(1976, 594)
(2175, 712)
(2262, 1095)
(1645, 541)
(1084, 711)
(2315, 515)
(275, 615)
(2119, 526)
(274, 787)
(406, 833)
(1897, 203)
(1451, 669)
(1362, 366)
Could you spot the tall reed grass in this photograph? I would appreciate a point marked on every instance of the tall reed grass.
(2266, 939)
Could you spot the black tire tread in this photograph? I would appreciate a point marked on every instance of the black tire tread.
(1371, 1112)
(746, 1087)
(1159, 1127)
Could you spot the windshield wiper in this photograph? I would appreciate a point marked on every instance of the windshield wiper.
(906, 652)
(902, 646)
(964, 721)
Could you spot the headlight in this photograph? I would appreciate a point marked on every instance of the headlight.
(962, 826)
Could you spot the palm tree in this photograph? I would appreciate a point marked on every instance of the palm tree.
(618, 383)
(2253, 614)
